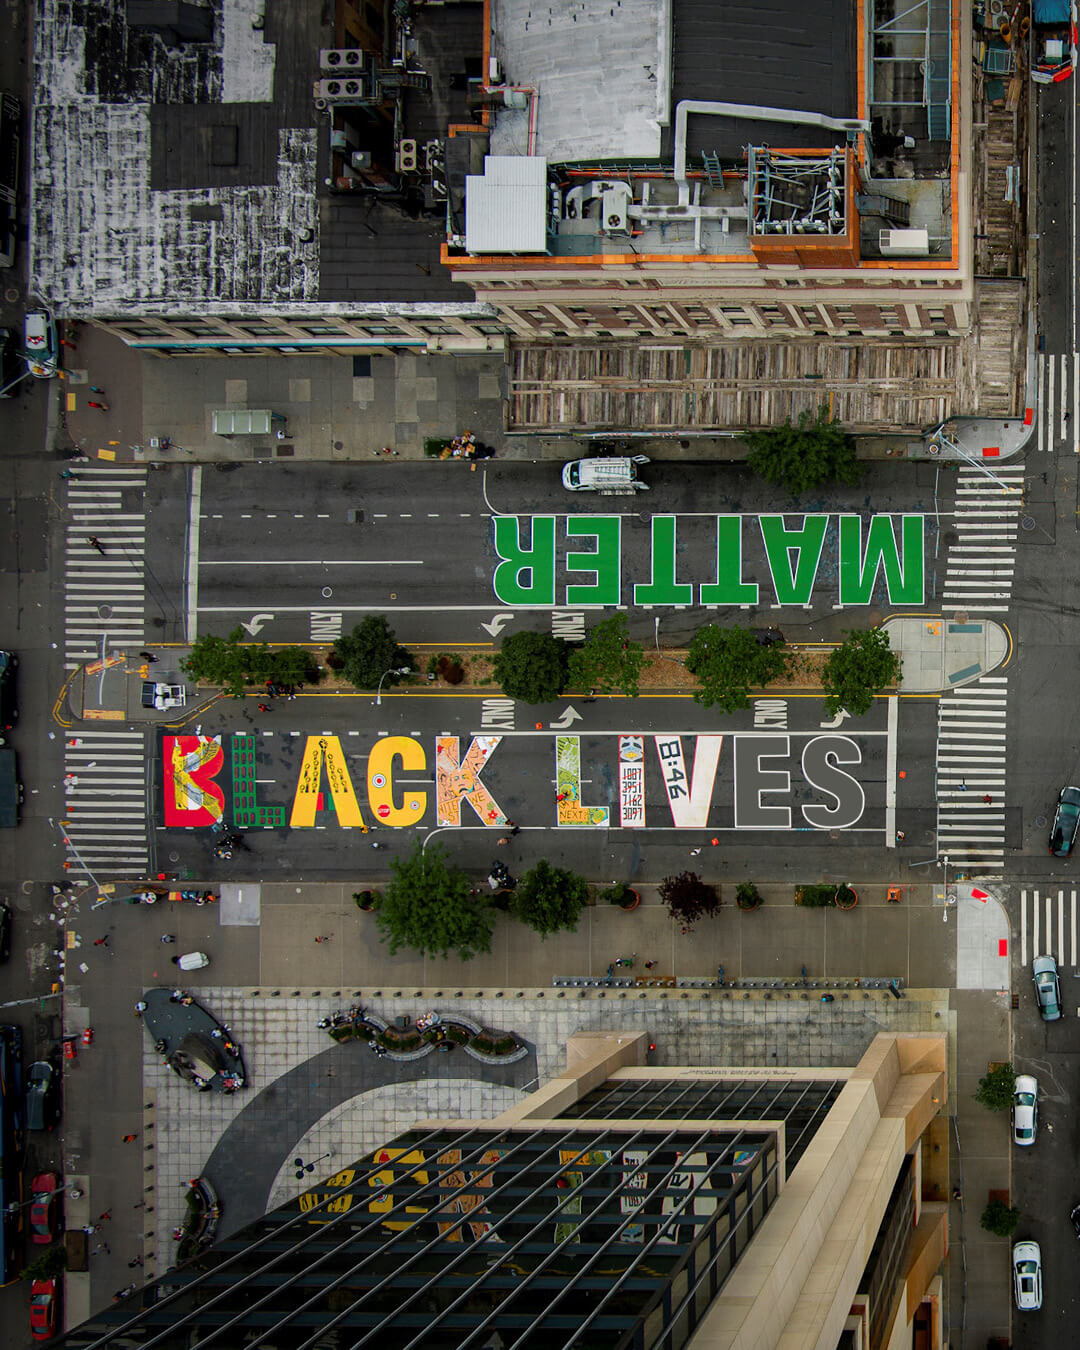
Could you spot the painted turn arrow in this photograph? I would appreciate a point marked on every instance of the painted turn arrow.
(255, 623)
(569, 717)
(837, 720)
(498, 622)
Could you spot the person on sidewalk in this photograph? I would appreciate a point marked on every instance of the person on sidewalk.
(102, 941)
(166, 938)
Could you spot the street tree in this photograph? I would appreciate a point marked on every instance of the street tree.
(862, 666)
(806, 456)
(995, 1090)
(532, 667)
(427, 905)
(228, 662)
(294, 665)
(608, 660)
(999, 1218)
(371, 653)
(689, 899)
(729, 662)
(549, 899)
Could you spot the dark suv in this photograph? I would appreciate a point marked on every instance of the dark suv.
(9, 708)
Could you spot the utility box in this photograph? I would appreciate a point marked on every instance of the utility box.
(244, 421)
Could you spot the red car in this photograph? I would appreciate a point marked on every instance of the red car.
(43, 1297)
(44, 1207)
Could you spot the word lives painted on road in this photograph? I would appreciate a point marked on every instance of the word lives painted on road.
(529, 553)
(746, 780)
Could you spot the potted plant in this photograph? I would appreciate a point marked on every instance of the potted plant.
(622, 895)
(747, 896)
(846, 897)
(365, 900)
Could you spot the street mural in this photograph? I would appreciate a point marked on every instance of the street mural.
(888, 545)
(746, 780)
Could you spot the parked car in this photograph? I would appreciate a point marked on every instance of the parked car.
(9, 706)
(1066, 821)
(41, 1096)
(43, 1297)
(41, 350)
(45, 1197)
(1025, 1109)
(1044, 971)
(5, 931)
(11, 789)
(1027, 1276)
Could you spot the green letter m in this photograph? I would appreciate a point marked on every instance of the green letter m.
(904, 571)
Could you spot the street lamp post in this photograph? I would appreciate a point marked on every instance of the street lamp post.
(302, 1167)
(394, 670)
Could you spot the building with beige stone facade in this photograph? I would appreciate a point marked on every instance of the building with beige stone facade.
(620, 1205)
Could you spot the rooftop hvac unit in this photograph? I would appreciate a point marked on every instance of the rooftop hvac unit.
(340, 58)
(406, 157)
(339, 90)
(613, 215)
(904, 243)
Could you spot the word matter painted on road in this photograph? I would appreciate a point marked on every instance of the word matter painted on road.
(890, 544)
(744, 780)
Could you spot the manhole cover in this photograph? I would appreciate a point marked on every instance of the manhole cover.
(960, 616)
(1027, 522)
(327, 592)
(949, 537)
(1040, 822)
(174, 857)
(104, 611)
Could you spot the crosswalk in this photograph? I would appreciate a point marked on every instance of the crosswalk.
(1057, 414)
(106, 803)
(971, 775)
(981, 561)
(104, 595)
(1048, 925)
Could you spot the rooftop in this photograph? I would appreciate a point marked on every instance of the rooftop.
(190, 167)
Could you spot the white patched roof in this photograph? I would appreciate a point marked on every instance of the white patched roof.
(506, 206)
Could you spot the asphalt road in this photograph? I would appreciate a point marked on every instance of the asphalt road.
(272, 547)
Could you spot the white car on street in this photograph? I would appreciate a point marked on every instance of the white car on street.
(1025, 1109)
(1027, 1276)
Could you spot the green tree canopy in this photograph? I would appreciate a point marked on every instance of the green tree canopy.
(228, 662)
(369, 651)
(427, 906)
(549, 899)
(863, 665)
(806, 456)
(995, 1090)
(728, 663)
(532, 667)
(999, 1218)
(689, 899)
(608, 661)
(294, 665)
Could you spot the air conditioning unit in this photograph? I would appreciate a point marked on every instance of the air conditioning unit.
(340, 58)
(613, 213)
(406, 156)
(339, 91)
(904, 243)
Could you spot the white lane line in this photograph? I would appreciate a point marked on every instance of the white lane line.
(1064, 424)
(890, 772)
(1048, 940)
(1061, 921)
(1035, 949)
(191, 627)
(1023, 928)
(1049, 403)
(315, 562)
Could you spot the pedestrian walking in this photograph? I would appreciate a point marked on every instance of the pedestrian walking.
(963, 786)
(103, 1218)
(95, 542)
(96, 389)
(102, 1247)
(515, 830)
(134, 1262)
(322, 939)
(124, 1293)
(91, 1228)
(694, 852)
(101, 407)
(504, 840)
(168, 937)
(148, 657)
(900, 836)
(624, 961)
(140, 1007)
(128, 1138)
(102, 941)
(988, 799)
(649, 965)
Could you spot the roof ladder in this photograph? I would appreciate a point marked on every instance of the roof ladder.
(712, 169)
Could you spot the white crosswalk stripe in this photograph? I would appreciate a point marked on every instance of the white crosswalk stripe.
(982, 559)
(970, 776)
(103, 595)
(105, 803)
(1057, 416)
(1048, 925)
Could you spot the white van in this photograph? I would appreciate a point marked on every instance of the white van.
(613, 477)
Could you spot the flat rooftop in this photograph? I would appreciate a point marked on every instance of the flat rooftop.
(184, 172)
